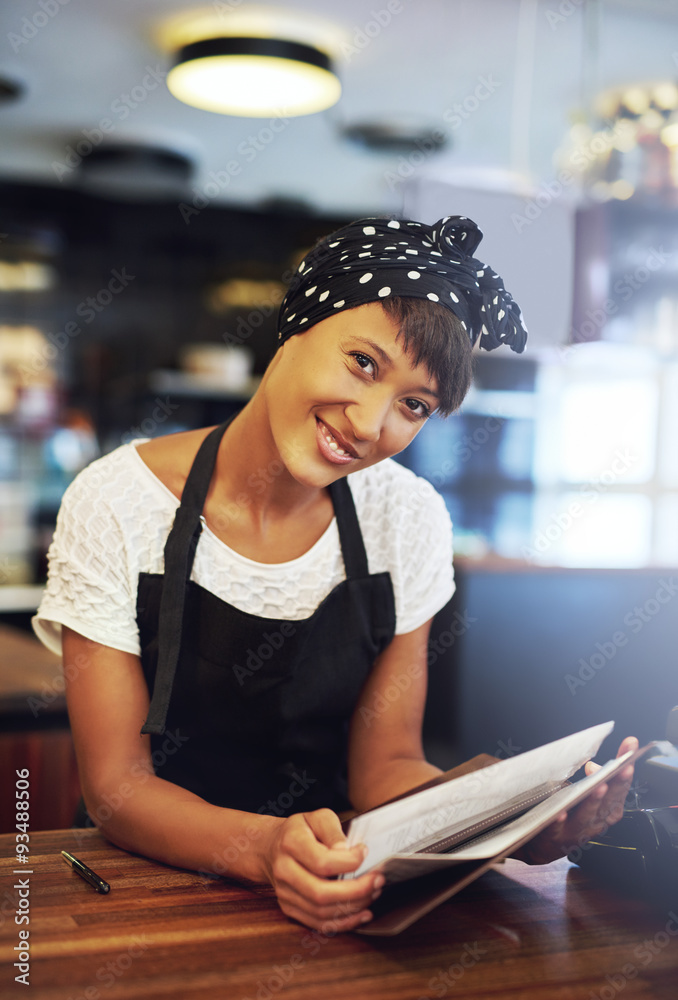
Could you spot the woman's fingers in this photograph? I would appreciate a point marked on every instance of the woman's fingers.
(317, 842)
(310, 850)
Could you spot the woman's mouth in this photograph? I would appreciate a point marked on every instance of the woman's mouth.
(330, 447)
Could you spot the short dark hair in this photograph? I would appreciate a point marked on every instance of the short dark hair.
(433, 335)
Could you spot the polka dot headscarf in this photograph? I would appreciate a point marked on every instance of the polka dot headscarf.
(371, 259)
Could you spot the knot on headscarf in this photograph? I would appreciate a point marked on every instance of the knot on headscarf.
(373, 258)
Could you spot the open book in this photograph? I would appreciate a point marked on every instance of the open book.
(471, 821)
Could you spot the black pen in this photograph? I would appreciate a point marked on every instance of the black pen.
(84, 872)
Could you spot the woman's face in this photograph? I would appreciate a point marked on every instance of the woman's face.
(344, 396)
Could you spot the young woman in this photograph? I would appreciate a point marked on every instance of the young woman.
(231, 601)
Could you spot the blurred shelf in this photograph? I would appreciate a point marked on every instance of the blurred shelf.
(24, 598)
(185, 384)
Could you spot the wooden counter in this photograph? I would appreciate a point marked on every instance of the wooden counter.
(548, 933)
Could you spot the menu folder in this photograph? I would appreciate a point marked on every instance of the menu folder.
(433, 841)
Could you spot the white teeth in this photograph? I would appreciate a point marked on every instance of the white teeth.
(333, 444)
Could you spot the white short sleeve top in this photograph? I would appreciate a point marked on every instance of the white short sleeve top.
(116, 514)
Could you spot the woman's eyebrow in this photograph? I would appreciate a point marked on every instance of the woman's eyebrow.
(388, 362)
(379, 351)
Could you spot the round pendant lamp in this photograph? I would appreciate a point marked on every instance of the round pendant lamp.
(254, 77)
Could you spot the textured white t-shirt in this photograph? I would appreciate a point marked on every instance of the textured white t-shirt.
(116, 515)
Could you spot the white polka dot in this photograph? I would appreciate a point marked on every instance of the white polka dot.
(454, 297)
(369, 230)
(366, 246)
(412, 251)
(304, 320)
(480, 273)
(437, 253)
(366, 254)
(339, 304)
(384, 291)
(366, 277)
(394, 224)
(413, 274)
(432, 296)
(403, 257)
(391, 248)
(336, 243)
(301, 266)
(501, 314)
(323, 296)
(310, 291)
(464, 325)
(290, 318)
(495, 299)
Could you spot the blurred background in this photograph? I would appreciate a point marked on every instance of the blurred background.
(145, 244)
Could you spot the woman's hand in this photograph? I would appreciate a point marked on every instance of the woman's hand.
(598, 811)
(304, 852)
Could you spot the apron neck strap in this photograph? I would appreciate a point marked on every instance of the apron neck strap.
(350, 535)
(180, 549)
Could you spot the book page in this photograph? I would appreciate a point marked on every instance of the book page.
(423, 818)
(501, 840)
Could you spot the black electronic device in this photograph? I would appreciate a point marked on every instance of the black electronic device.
(640, 852)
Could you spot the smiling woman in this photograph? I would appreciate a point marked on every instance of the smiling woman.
(248, 589)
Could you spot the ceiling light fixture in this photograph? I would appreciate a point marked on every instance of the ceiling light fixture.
(256, 77)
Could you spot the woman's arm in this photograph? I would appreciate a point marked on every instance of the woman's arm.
(386, 756)
(107, 703)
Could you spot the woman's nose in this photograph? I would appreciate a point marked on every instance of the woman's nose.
(368, 417)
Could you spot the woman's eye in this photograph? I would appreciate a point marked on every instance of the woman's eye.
(365, 361)
(418, 408)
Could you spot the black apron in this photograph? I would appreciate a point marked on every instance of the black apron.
(249, 712)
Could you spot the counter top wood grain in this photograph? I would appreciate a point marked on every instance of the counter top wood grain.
(548, 933)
